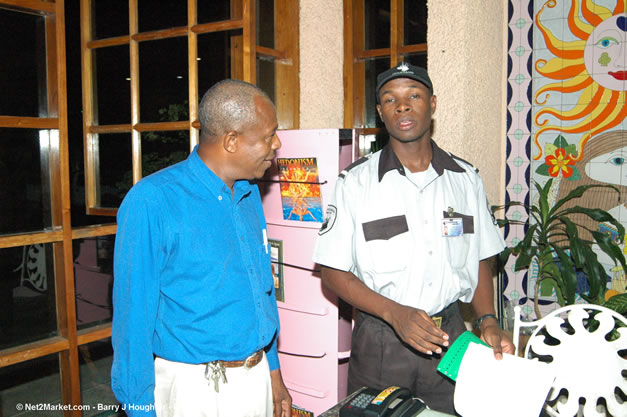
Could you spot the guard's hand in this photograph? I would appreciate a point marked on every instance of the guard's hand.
(495, 337)
(418, 330)
(280, 396)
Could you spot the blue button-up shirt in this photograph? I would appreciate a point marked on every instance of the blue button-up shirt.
(192, 277)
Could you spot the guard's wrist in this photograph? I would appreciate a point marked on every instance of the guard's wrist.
(486, 318)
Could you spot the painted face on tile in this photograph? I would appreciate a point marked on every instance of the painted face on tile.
(610, 167)
(605, 56)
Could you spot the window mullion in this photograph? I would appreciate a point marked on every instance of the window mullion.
(396, 30)
(133, 22)
(250, 42)
(192, 67)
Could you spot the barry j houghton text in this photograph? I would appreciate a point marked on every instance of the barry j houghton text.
(82, 407)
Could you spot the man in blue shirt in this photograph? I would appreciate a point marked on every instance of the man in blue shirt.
(195, 321)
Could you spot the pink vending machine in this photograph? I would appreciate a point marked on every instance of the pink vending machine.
(314, 344)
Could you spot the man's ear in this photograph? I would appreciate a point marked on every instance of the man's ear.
(379, 111)
(230, 141)
(434, 103)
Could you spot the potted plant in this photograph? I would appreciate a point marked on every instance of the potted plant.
(562, 247)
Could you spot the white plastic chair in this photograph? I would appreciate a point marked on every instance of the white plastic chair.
(587, 364)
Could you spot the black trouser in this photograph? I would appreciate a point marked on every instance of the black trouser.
(380, 359)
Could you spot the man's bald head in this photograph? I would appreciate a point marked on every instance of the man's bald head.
(228, 106)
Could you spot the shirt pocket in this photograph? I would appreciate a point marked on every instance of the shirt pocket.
(457, 246)
(389, 242)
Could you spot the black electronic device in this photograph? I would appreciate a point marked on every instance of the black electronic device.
(391, 402)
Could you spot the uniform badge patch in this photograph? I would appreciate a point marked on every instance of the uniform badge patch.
(491, 212)
(329, 220)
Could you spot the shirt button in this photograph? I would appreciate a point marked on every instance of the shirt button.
(430, 284)
(220, 197)
(426, 221)
(430, 253)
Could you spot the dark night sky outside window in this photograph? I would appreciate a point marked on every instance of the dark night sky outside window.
(162, 76)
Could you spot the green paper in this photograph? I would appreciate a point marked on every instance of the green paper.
(449, 365)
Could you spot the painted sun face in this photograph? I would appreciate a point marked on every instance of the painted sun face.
(610, 167)
(588, 65)
(605, 56)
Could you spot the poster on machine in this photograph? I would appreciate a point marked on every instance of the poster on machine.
(300, 189)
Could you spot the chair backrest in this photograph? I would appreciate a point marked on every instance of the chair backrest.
(584, 343)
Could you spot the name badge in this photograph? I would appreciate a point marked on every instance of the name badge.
(452, 226)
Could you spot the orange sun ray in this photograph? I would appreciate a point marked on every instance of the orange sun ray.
(598, 107)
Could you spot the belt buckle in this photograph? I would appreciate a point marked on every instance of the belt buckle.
(248, 360)
(437, 320)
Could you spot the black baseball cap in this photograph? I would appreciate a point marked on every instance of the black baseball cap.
(404, 70)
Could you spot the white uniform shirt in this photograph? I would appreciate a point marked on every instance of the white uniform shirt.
(388, 230)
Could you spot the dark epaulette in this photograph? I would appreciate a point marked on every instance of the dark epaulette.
(353, 165)
(463, 160)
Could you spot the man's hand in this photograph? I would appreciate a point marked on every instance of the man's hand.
(413, 326)
(417, 329)
(280, 397)
(492, 334)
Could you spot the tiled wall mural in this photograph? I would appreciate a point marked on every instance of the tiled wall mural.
(567, 81)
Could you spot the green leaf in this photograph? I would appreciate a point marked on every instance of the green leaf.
(617, 303)
(610, 248)
(595, 273)
(543, 170)
(569, 275)
(524, 258)
(595, 214)
(578, 192)
(525, 250)
(550, 283)
(543, 199)
(571, 150)
(575, 176)
(504, 256)
(560, 142)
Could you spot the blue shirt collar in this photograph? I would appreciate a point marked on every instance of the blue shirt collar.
(215, 184)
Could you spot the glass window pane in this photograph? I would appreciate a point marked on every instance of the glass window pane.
(265, 23)
(110, 18)
(116, 168)
(214, 11)
(377, 24)
(162, 149)
(415, 22)
(93, 275)
(24, 180)
(37, 381)
(95, 372)
(419, 59)
(27, 294)
(266, 75)
(157, 15)
(163, 76)
(373, 68)
(23, 64)
(113, 86)
(216, 54)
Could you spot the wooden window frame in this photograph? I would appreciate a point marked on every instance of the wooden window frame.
(355, 56)
(284, 55)
(65, 344)
(69, 339)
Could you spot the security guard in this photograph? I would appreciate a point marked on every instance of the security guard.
(408, 234)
